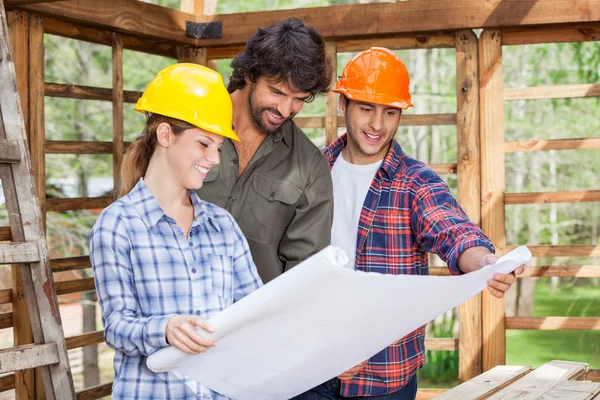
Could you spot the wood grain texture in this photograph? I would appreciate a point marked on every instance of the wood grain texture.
(552, 144)
(580, 196)
(486, 384)
(553, 323)
(331, 98)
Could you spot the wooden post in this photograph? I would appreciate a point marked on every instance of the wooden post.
(469, 189)
(331, 100)
(19, 39)
(117, 100)
(37, 132)
(492, 185)
(196, 55)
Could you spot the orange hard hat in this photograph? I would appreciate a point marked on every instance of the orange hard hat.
(376, 76)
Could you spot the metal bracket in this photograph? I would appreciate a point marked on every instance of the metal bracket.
(210, 30)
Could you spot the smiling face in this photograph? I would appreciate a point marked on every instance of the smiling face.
(191, 154)
(371, 128)
(272, 103)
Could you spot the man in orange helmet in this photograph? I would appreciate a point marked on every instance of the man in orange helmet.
(390, 210)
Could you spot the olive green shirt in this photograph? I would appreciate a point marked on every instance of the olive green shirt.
(283, 201)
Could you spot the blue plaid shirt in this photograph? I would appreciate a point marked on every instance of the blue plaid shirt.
(147, 271)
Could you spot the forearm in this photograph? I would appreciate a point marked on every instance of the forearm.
(470, 259)
(136, 336)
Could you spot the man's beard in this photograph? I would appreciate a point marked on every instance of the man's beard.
(257, 114)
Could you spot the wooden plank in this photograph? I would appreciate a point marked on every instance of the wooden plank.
(5, 233)
(117, 109)
(553, 144)
(87, 92)
(74, 286)
(27, 356)
(125, 16)
(79, 203)
(6, 296)
(351, 20)
(579, 271)
(572, 390)
(23, 2)
(310, 122)
(219, 53)
(441, 344)
(427, 394)
(195, 55)
(101, 36)
(434, 40)
(580, 196)
(9, 151)
(6, 320)
(443, 169)
(406, 120)
(439, 271)
(70, 264)
(12, 253)
(492, 185)
(552, 92)
(331, 98)
(573, 250)
(540, 380)
(551, 34)
(85, 339)
(95, 392)
(469, 189)
(77, 147)
(486, 384)
(553, 323)
(7, 382)
(593, 375)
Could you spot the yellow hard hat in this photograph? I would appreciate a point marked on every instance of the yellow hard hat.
(191, 93)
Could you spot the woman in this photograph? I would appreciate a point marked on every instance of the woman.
(165, 261)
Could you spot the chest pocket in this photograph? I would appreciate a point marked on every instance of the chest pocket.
(270, 207)
(221, 274)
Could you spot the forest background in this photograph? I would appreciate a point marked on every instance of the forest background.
(433, 85)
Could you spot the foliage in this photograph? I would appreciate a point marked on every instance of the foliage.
(441, 366)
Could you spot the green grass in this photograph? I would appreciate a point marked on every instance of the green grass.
(534, 348)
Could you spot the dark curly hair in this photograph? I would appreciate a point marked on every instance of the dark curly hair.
(288, 51)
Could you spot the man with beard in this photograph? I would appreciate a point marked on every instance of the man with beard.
(275, 182)
(390, 211)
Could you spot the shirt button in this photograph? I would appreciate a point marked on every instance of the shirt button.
(272, 194)
(235, 161)
(193, 270)
(231, 198)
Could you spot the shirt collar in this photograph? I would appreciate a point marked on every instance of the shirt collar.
(390, 163)
(150, 211)
(285, 133)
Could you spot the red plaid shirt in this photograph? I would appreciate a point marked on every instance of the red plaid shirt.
(408, 212)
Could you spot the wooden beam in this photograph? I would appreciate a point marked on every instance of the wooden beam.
(334, 22)
(580, 196)
(551, 34)
(331, 98)
(85, 339)
(6, 319)
(572, 250)
(486, 384)
(401, 42)
(593, 375)
(552, 144)
(87, 92)
(78, 203)
(552, 92)
(77, 147)
(7, 382)
(70, 263)
(117, 108)
(13, 253)
(95, 392)
(441, 344)
(74, 286)
(124, 16)
(5, 234)
(24, 2)
(579, 271)
(9, 151)
(553, 323)
(27, 356)
(101, 36)
(492, 185)
(5, 296)
(443, 169)
(469, 189)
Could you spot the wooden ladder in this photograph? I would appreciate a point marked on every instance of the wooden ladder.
(28, 249)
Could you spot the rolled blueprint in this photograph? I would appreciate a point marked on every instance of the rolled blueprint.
(316, 321)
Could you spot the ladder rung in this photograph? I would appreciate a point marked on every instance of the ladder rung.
(28, 356)
(13, 253)
(9, 151)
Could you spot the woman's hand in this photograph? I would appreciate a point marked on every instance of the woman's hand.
(181, 332)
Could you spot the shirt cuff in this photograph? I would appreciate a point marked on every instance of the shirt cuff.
(157, 331)
(463, 245)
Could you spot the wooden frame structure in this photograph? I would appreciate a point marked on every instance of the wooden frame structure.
(405, 25)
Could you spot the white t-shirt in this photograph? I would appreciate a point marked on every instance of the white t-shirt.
(351, 184)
